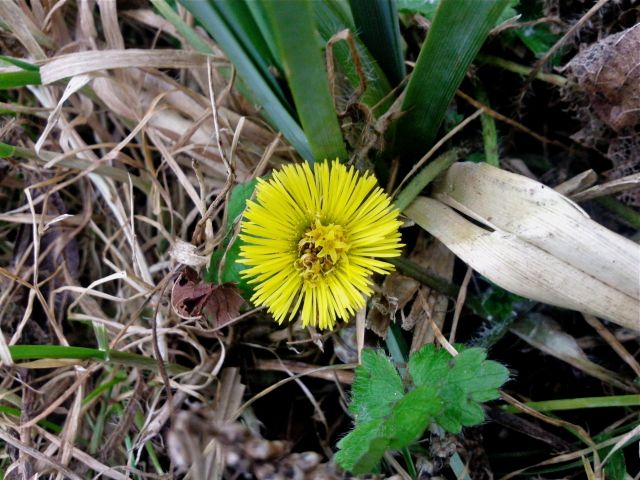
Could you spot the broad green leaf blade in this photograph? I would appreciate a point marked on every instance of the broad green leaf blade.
(377, 25)
(19, 79)
(430, 366)
(481, 378)
(411, 416)
(362, 449)
(298, 44)
(462, 382)
(376, 388)
(331, 18)
(459, 28)
(275, 108)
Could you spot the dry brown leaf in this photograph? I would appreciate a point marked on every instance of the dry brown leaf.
(192, 298)
(608, 72)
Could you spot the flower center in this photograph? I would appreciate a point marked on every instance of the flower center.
(320, 249)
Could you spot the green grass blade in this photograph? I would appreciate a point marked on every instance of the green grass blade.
(632, 400)
(377, 25)
(260, 18)
(19, 79)
(276, 110)
(36, 352)
(300, 52)
(489, 130)
(331, 18)
(459, 28)
(240, 21)
(19, 63)
(39, 352)
(185, 30)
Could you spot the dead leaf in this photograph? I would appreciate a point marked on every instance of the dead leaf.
(607, 71)
(192, 298)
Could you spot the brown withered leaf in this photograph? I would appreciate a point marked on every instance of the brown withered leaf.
(190, 297)
(607, 72)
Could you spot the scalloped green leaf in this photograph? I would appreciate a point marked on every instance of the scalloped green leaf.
(376, 388)
(363, 448)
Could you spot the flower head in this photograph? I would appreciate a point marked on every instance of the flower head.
(311, 238)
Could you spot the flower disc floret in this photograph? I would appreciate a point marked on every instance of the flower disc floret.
(312, 239)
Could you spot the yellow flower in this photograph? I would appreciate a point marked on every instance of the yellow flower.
(310, 238)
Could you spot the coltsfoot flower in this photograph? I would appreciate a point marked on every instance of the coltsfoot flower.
(311, 238)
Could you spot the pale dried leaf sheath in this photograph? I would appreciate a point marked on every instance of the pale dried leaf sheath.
(542, 217)
(523, 268)
(78, 63)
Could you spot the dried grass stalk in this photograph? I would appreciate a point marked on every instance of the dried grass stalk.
(80, 63)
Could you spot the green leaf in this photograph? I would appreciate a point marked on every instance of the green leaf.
(260, 17)
(463, 381)
(411, 416)
(377, 25)
(458, 31)
(241, 21)
(300, 52)
(238, 201)
(6, 150)
(231, 269)
(385, 417)
(19, 79)
(259, 81)
(430, 366)
(376, 388)
(428, 8)
(362, 449)
(185, 30)
(615, 468)
(35, 352)
(537, 38)
(448, 390)
(20, 63)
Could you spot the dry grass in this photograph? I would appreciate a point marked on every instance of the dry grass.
(115, 169)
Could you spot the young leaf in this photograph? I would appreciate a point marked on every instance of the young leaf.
(411, 416)
(464, 381)
(376, 388)
(361, 450)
